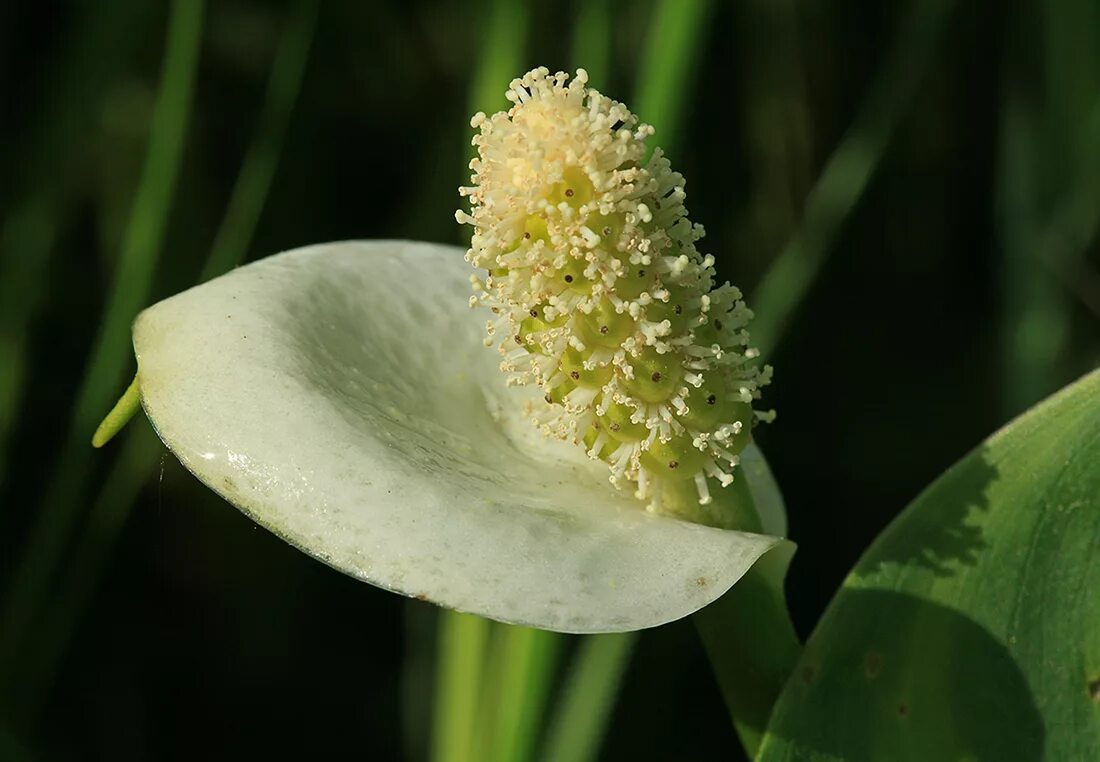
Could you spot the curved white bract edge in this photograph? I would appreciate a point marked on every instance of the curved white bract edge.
(341, 396)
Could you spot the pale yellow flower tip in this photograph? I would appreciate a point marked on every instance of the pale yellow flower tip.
(600, 295)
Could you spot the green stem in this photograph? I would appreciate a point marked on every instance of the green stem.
(257, 173)
(111, 354)
(524, 673)
(752, 645)
(579, 724)
(747, 632)
(459, 662)
(672, 50)
(502, 51)
(591, 46)
(1048, 171)
(847, 173)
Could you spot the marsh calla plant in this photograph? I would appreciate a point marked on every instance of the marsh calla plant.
(343, 396)
(571, 448)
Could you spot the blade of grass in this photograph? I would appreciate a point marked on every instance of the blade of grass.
(502, 52)
(672, 52)
(459, 665)
(55, 519)
(1074, 225)
(526, 660)
(258, 171)
(847, 173)
(591, 45)
(1034, 320)
(141, 450)
(580, 720)
(1047, 171)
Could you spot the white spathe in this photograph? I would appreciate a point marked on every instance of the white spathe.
(341, 396)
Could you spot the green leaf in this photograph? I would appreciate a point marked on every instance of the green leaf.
(971, 628)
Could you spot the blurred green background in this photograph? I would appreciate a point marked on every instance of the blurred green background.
(908, 192)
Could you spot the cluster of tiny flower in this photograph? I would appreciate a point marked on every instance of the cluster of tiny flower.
(599, 294)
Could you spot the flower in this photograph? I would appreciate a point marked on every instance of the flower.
(601, 298)
(341, 395)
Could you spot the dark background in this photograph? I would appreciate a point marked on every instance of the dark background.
(939, 160)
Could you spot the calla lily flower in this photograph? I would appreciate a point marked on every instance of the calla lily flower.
(342, 397)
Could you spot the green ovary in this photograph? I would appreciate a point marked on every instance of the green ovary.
(534, 325)
(572, 365)
(574, 189)
(710, 405)
(635, 280)
(571, 277)
(656, 376)
(608, 447)
(605, 327)
(616, 421)
(675, 311)
(675, 460)
(609, 227)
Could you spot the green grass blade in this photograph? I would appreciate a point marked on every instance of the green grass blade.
(502, 52)
(580, 720)
(525, 670)
(111, 353)
(677, 31)
(258, 171)
(460, 659)
(141, 450)
(847, 173)
(591, 45)
(1047, 173)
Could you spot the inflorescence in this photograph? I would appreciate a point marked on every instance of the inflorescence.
(600, 296)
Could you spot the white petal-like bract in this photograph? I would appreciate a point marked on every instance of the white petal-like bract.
(341, 396)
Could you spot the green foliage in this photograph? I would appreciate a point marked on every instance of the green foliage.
(971, 628)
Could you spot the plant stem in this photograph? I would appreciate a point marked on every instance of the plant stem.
(502, 51)
(524, 676)
(110, 355)
(578, 726)
(257, 173)
(672, 52)
(752, 645)
(847, 173)
(1046, 188)
(591, 46)
(459, 662)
